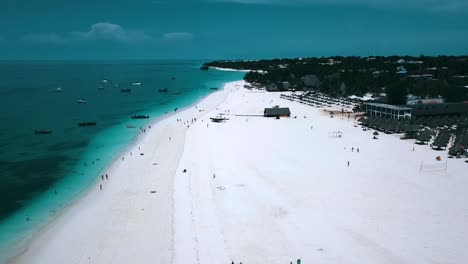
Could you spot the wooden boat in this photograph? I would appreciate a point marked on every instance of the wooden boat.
(42, 132)
(218, 119)
(164, 90)
(87, 124)
(82, 101)
(140, 116)
(125, 90)
(214, 88)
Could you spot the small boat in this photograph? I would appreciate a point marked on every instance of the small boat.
(58, 90)
(125, 90)
(137, 84)
(81, 101)
(130, 126)
(214, 88)
(173, 78)
(140, 116)
(104, 81)
(164, 90)
(101, 87)
(175, 109)
(87, 124)
(116, 85)
(218, 119)
(42, 132)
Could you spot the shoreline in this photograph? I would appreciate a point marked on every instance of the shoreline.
(24, 246)
(245, 190)
(229, 69)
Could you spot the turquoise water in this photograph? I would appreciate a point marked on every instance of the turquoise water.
(40, 174)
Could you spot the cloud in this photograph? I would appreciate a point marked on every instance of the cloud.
(178, 36)
(99, 31)
(49, 38)
(110, 31)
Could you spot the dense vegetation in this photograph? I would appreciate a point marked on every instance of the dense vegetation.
(425, 77)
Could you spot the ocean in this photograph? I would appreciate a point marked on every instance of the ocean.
(42, 173)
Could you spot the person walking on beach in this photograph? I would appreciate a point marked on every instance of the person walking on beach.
(107, 178)
(348, 163)
(352, 149)
(100, 187)
(130, 153)
(102, 177)
(357, 149)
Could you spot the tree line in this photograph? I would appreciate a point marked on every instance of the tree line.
(395, 76)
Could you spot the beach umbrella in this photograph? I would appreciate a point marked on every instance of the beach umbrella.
(376, 133)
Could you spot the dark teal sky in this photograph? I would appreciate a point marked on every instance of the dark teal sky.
(218, 29)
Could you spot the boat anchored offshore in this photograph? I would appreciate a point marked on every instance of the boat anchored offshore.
(87, 124)
(42, 132)
(163, 90)
(58, 90)
(214, 88)
(81, 101)
(140, 116)
(125, 90)
(137, 84)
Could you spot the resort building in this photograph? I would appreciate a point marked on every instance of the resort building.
(416, 110)
(389, 111)
(277, 112)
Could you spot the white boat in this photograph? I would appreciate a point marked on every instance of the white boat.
(136, 84)
(58, 90)
(104, 81)
(81, 101)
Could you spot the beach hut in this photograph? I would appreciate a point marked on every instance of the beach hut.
(375, 134)
(277, 112)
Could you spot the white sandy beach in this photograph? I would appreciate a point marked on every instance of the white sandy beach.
(262, 190)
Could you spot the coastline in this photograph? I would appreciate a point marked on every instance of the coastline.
(78, 203)
(228, 69)
(246, 190)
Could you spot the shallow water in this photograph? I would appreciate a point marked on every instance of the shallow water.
(40, 174)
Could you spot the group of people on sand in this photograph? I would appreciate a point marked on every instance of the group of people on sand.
(102, 179)
(352, 150)
(188, 122)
